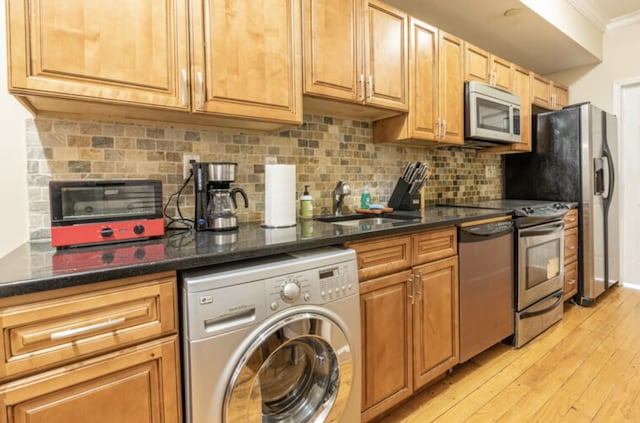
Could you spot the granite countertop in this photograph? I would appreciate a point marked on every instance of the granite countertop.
(37, 266)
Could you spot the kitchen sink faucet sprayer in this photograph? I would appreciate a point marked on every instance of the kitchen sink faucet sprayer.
(341, 189)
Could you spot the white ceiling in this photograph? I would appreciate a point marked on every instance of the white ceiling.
(524, 38)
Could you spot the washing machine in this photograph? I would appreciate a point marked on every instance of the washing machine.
(273, 340)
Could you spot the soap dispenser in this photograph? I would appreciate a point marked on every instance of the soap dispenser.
(365, 198)
(306, 204)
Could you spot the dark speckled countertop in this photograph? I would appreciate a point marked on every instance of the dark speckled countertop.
(37, 267)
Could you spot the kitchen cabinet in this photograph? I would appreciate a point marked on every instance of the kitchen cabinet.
(356, 54)
(109, 350)
(70, 59)
(436, 105)
(480, 65)
(571, 254)
(409, 312)
(522, 87)
(548, 94)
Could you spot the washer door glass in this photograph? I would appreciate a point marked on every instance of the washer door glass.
(299, 370)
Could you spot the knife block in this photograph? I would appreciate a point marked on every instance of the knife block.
(401, 199)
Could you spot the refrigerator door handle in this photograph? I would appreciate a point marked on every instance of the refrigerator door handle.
(606, 200)
(598, 176)
(606, 154)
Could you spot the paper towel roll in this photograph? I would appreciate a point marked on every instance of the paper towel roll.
(279, 195)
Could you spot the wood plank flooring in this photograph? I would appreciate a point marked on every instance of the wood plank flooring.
(586, 368)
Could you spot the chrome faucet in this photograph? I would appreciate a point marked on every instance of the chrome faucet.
(341, 189)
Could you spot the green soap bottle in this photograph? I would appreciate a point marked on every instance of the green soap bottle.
(306, 204)
(365, 198)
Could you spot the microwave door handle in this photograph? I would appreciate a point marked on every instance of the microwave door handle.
(548, 229)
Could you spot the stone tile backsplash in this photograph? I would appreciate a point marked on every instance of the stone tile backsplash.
(324, 149)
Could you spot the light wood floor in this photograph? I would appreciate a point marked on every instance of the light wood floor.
(586, 368)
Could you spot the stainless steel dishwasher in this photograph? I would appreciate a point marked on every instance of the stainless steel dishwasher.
(486, 255)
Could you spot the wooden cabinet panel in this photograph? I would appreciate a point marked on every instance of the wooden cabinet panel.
(333, 49)
(386, 55)
(570, 280)
(434, 245)
(423, 80)
(559, 96)
(137, 385)
(435, 320)
(540, 91)
(75, 49)
(451, 74)
(503, 73)
(382, 256)
(571, 219)
(570, 244)
(386, 339)
(42, 334)
(477, 64)
(246, 59)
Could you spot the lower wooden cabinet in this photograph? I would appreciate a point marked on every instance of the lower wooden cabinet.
(410, 332)
(571, 245)
(137, 385)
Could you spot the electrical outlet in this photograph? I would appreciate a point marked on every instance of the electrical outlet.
(186, 163)
(490, 171)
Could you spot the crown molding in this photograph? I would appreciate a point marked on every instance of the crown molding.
(631, 18)
(592, 12)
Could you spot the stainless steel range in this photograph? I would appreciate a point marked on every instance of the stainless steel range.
(539, 263)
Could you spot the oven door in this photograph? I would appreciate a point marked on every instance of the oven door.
(540, 262)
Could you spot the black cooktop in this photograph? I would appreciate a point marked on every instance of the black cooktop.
(526, 212)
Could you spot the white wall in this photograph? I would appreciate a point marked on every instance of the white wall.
(13, 159)
(621, 62)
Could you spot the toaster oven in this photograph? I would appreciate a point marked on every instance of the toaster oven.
(85, 212)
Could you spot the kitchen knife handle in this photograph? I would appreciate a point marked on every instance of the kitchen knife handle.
(362, 87)
(184, 88)
(200, 89)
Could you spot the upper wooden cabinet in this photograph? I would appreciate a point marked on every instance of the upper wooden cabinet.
(548, 94)
(559, 96)
(436, 102)
(245, 57)
(356, 53)
(480, 65)
(75, 49)
(133, 60)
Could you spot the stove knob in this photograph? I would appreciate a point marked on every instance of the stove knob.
(290, 291)
(138, 229)
(106, 232)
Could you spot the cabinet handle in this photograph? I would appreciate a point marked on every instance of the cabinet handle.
(553, 100)
(370, 87)
(439, 129)
(444, 128)
(571, 282)
(84, 329)
(572, 247)
(411, 282)
(184, 87)
(200, 89)
(420, 291)
(362, 88)
(571, 220)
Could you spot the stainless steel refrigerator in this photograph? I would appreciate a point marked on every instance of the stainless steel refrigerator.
(574, 159)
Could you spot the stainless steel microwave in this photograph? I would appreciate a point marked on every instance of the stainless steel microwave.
(491, 115)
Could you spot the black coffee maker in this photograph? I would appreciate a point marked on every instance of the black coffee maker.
(215, 203)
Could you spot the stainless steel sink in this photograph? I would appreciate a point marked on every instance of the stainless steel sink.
(365, 220)
(368, 221)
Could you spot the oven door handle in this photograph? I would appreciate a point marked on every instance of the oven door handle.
(547, 229)
(558, 296)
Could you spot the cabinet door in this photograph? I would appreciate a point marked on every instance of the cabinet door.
(386, 343)
(451, 84)
(502, 73)
(540, 91)
(246, 59)
(423, 62)
(570, 280)
(560, 96)
(139, 385)
(333, 49)
(386, 54)
(477, 64)
(435, 320)
(121, 51)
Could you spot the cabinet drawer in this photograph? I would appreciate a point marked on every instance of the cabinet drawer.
(45, 333)
(571, 219)
(570, 244)
(570, 280)
(382, 256)
(434, 245)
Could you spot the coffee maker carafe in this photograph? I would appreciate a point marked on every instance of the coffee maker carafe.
(215, 203)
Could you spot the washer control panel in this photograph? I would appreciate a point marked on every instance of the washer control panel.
(314, 286)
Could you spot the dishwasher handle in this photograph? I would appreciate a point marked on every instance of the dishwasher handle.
(485, 231)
